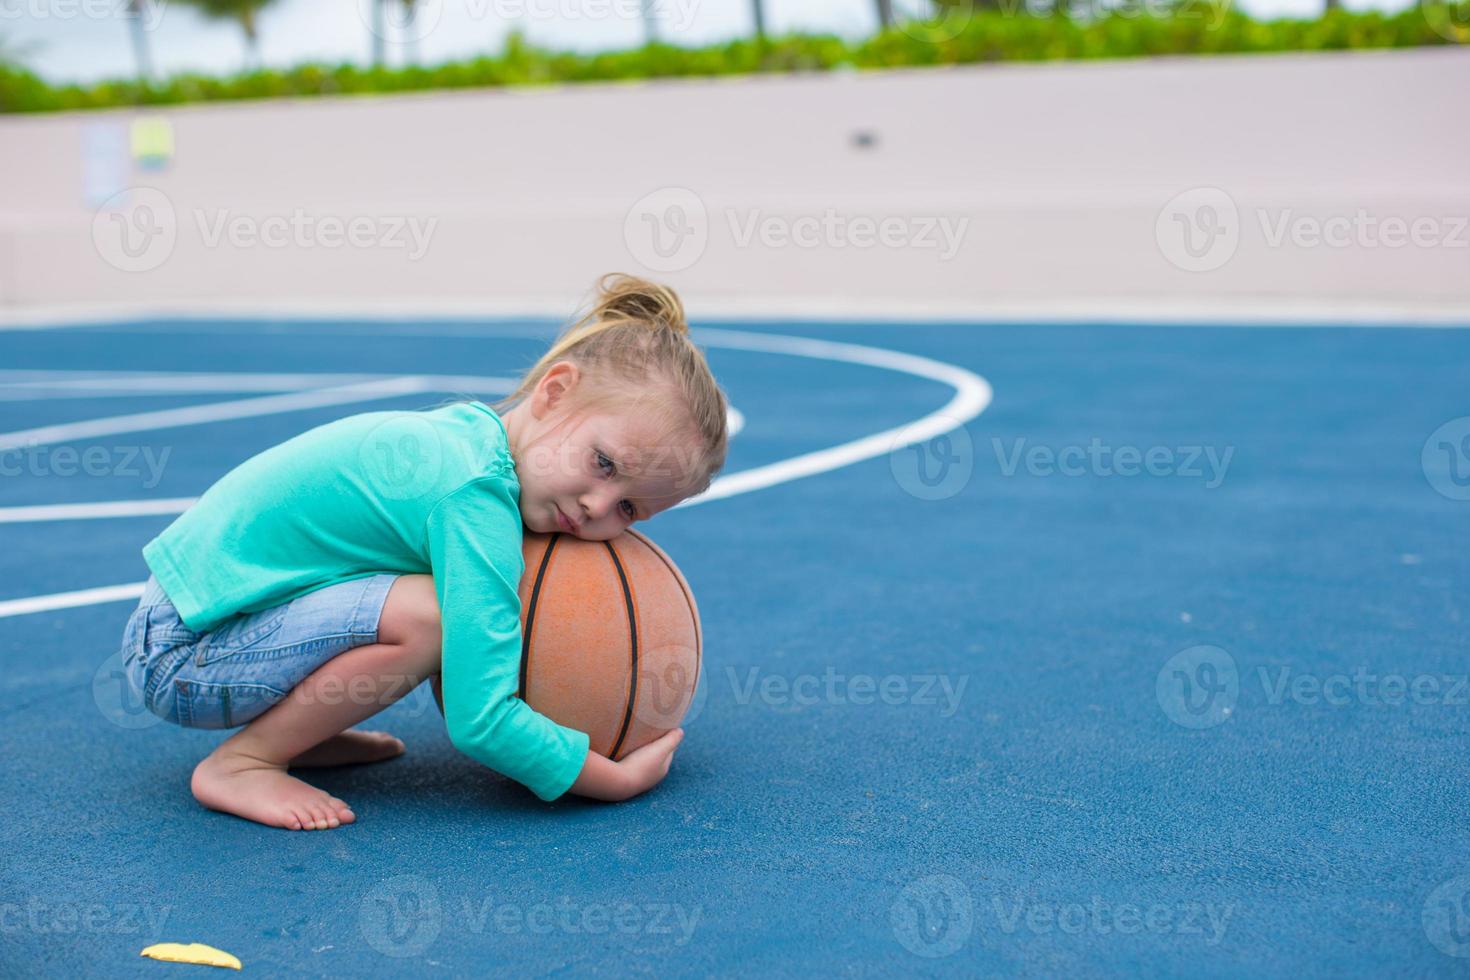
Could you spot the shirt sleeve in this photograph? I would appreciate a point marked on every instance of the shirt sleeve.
(474, 540)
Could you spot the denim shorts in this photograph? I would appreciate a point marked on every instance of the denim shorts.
(231, 674)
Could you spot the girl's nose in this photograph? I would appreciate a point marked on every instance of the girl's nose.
(597, 505)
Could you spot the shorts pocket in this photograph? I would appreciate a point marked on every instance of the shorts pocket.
(204, 705)
(242, 633)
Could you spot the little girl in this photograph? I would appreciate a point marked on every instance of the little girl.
(325, 578)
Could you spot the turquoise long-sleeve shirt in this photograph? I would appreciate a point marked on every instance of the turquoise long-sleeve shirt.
(409, 492)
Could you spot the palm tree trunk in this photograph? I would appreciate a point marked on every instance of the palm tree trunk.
(410, 39)
(380, 48)
(885, 14)
(650, 24)
(758, 9)
(252, 38)
(138, 28)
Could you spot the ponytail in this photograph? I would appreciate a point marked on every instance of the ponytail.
(634, 344)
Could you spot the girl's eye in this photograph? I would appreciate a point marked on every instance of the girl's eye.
(604, 462)
(630, 510)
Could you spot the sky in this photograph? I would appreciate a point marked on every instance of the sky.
(88, 40)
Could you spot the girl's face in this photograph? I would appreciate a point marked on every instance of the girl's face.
(595, 475)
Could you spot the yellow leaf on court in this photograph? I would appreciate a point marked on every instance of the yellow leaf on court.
(191, 953)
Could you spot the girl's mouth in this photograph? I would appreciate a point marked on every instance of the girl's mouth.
(562, 519)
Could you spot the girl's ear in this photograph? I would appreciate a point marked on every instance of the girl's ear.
(553, 390)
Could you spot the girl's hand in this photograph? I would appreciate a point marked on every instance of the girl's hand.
(639, 771)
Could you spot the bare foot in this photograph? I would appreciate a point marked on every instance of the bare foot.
(349, 749)
(256, 790)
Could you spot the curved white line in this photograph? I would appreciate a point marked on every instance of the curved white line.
(972, 395)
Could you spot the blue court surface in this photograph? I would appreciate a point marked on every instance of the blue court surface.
(1155, 666)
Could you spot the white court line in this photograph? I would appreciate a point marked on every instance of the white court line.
(249, 408)
(71, 600)
(107, 508)
(243, 408)
(972, 396)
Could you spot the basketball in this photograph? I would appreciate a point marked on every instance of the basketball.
(610, 638)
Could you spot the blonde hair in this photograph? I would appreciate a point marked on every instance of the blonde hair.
(634, 351)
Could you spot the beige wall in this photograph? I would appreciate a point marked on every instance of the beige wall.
(1060, 177)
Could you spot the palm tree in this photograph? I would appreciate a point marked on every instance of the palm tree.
(380, 39)
(138, 28)
(650, 22)
(885, 14)
(759, 10)
(411, 41)
(242, 12)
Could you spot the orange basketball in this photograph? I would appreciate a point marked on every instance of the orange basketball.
(610, 638)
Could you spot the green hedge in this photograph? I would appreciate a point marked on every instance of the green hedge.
(984, 35)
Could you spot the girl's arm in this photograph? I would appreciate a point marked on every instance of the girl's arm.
(639, 771)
